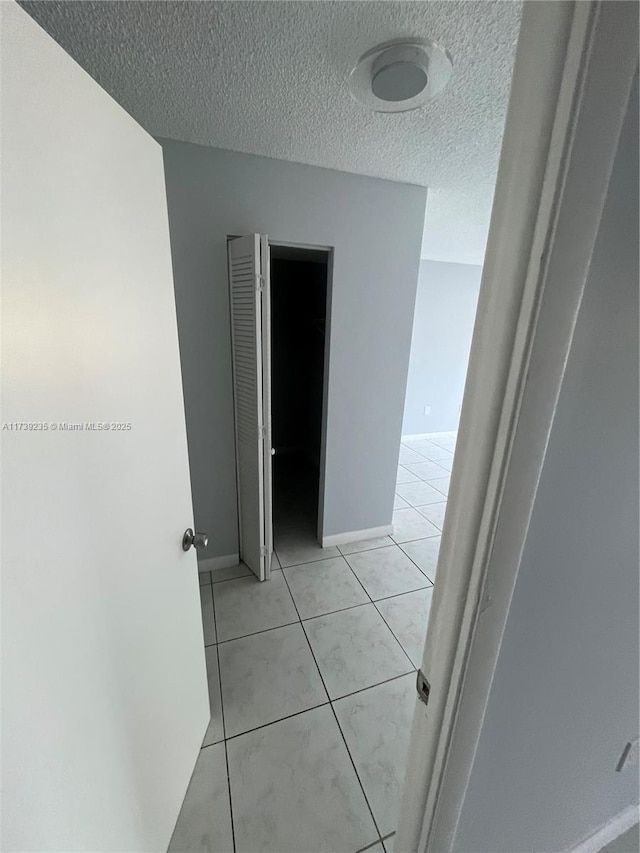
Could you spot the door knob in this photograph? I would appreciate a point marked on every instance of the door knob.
(198, 540)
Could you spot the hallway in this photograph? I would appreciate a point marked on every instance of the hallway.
(312, 681)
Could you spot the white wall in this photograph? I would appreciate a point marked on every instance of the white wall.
(375, 228)
(442, 329)
(565, 695)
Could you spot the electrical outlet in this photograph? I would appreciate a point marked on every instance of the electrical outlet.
(629, 757)
(427, 410)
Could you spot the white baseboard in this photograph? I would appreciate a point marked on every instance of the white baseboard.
(214, 563)
(608, 832)
(356, 535)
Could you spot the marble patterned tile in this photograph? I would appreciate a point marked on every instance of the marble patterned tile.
(434, 513)
(419, 494)
(439, 454)
(428, 470)
(424, 553)
(215, 730)
(409, 524)
(246, 606)
(386, 571)
(208, 619)
(398, 502)
(407, 616)
(293, 549)
(408, 455)
(355, 649)
(204, 578)
(441, 484)
(266, 677)
(365, 545)
(405, 476)
(294, 789)
(204, 822)
(376, 724)
(324, 586)
(430, 451)
(230, 572)
(415, 443)
(447, 442)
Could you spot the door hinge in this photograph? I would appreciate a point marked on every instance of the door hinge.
(260, 282)
(423, 687)
(264, 551)
(262, 432)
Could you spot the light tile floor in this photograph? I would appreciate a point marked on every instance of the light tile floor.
(312, 682)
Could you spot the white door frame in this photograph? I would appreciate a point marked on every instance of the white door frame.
(573, 73)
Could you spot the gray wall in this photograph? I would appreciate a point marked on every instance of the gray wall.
(442, 329)
(565, 696)
(375, 228)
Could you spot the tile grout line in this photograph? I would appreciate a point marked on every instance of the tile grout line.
(386, 838)
(407, 592)
(385, 622)
(414, 562)
(382, 617)
(413, 667)
(333, 711)
(324, 686)
(329, 612)
(371, 600)
(395, 594)
(254, 633)
(329, 702)
(233, 829)
(224, 727)
(392, 596)
(226, 755)
(370, 846)
(313, 707)
(365, 688)
(213, 610)
(419, 452)
(249, 576)
(377, 684)
(355, 769)
(279, 720)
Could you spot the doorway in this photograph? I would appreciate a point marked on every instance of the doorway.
(279, 296)
(298, 303)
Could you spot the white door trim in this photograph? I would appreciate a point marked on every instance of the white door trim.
(608, 832)
(573, 72)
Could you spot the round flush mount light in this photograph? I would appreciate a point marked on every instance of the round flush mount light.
(400, 75)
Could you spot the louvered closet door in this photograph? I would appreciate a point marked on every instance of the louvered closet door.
(249, 299)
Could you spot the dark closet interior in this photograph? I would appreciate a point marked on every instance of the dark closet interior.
(298, 322)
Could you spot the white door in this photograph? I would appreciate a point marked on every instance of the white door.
(250, 337)
(104, 689)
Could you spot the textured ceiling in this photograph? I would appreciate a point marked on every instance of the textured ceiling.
(269, 78)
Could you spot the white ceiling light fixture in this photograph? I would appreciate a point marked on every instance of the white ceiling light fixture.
(400, 75)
